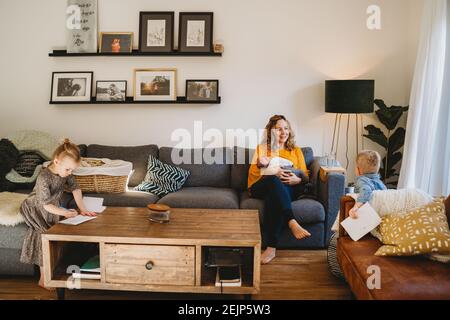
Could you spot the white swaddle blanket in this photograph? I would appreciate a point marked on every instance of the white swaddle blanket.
(109, 167)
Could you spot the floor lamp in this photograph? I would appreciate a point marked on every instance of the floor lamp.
(347, 97)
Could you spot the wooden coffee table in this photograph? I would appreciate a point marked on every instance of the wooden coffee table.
(139, 255)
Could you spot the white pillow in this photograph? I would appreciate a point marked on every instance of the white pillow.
(396, 202)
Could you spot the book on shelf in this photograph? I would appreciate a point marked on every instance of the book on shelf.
(229, 276)
(90, 276)
(91, 266)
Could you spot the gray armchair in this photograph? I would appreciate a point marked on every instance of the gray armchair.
(316, 211)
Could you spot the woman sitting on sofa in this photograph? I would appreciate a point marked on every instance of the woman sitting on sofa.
(284, 170)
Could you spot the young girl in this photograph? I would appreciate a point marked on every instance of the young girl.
(41, 210)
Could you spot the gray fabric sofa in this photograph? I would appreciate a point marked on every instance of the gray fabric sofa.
(222, 185)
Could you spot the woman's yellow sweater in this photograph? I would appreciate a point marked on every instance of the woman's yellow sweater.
(295, 156)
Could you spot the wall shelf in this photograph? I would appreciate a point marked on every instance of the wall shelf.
(63, 53)
(130, 100)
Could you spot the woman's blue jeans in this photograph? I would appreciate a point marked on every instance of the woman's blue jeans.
(277, 198)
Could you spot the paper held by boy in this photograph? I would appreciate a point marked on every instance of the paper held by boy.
(274, 165)
(368, 219)
(91, 204)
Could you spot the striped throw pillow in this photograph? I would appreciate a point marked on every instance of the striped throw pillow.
(162, 178)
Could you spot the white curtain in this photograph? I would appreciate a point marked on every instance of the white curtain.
(426, 157)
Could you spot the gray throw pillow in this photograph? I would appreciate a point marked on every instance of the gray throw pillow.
(162, 178)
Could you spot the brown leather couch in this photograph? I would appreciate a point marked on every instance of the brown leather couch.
(402, 278)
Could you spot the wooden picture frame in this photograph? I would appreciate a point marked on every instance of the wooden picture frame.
(155, 84)
(195, 32)
(156, 31)
(109, 44)
(71, 86)
(115, 93)
(202, 90)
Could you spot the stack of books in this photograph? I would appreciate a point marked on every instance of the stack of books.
(89, 270)
(228, 262)
(229, 276)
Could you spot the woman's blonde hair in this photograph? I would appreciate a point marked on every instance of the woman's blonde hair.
(290, 143)
(67, 149)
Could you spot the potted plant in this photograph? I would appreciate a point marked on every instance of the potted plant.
(392, 142)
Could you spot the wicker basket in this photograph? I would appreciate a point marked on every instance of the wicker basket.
(102, 183)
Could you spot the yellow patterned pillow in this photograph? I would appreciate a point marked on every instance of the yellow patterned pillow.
(419, 231)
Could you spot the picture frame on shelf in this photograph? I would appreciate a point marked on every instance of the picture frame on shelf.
(113, 91)
(202, 90)
(195, 32)
(116, 42)
(155, 84)
(156, 31)
(73, 86)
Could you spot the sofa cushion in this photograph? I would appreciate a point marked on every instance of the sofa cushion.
(12, 237)
(83, 149)
(202, 197)
(162, 178)
(402, 278)
(137, 155)
(130, 198)
(306, 211)
(215, 173)
(242, 158)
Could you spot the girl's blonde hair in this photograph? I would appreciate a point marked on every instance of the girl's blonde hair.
(290, 143)
(67, 149)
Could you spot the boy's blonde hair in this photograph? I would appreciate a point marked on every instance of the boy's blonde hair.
(368, 161)
(67, 149)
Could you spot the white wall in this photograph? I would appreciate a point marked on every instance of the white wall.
(277, 56)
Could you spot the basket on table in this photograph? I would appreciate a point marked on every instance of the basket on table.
(103, 175)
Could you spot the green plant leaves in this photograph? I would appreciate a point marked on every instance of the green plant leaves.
(376, 135)
(396, 140)
(389, 117)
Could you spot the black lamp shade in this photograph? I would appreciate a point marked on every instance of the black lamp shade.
(349, 96)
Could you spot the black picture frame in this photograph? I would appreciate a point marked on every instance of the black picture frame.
(105, 45)
(112, 99)
(157, 16)
(183, 42)
(67, 97)
(198, 97)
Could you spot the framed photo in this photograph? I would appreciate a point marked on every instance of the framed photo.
(71, 86)
(156, 31)
(111, 90)
(202, 90)
(155, 84)
(196, 32)
(116, 42)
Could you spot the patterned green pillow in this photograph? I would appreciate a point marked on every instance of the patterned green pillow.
(162, 178)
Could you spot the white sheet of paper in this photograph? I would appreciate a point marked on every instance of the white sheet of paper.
(94, 204)
(368, 219)
(76, 220)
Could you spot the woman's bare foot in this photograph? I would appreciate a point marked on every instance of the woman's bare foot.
(268, 255)
(297, 230)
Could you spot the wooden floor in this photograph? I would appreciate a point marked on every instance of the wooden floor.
(293, 275)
